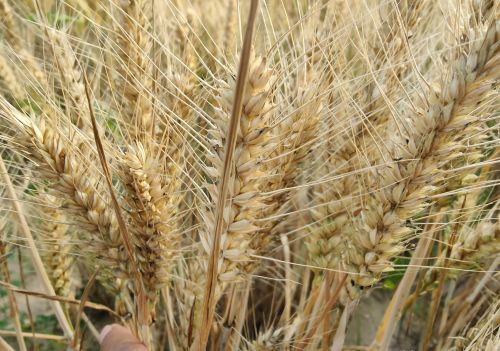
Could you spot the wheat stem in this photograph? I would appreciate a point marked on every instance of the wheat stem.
(5, 346)
(14, 309)
(35, 256)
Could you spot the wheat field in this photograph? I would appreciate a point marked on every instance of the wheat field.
(250, 175)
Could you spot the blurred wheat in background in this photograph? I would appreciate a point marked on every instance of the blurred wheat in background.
(245, 175)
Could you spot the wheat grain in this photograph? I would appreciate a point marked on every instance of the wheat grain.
(474, 245)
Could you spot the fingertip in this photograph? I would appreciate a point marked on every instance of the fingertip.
(104, 332)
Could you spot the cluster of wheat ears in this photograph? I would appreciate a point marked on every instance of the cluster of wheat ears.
(239, 175)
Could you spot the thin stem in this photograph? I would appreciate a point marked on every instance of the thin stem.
(12, 298)
(393, 311)
(40, 336)
(4, 346)
(35, 256)
(138, 281)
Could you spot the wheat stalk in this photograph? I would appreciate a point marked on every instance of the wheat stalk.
(35, 256)
(14, 308)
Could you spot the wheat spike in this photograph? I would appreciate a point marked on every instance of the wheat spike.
(11, 35)
(151, 208)
(56, 253)
(8, 80)
(248, 176)
(381, 227)
(134, 67)
(57, 160)
(71, 77)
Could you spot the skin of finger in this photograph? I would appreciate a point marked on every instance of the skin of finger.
(120, 338)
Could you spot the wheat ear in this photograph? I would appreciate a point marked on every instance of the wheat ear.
(71, 78)
(8, 80)
(11, 31)
(230, 32)
(483, 334)
(189, 291)
(9, 25)
(134, 68)
(248, 178)
(474, 245)
(407, 184)
(152, 229)
(210, 297)
(56, 246)
(295, 134)
(84, 199)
